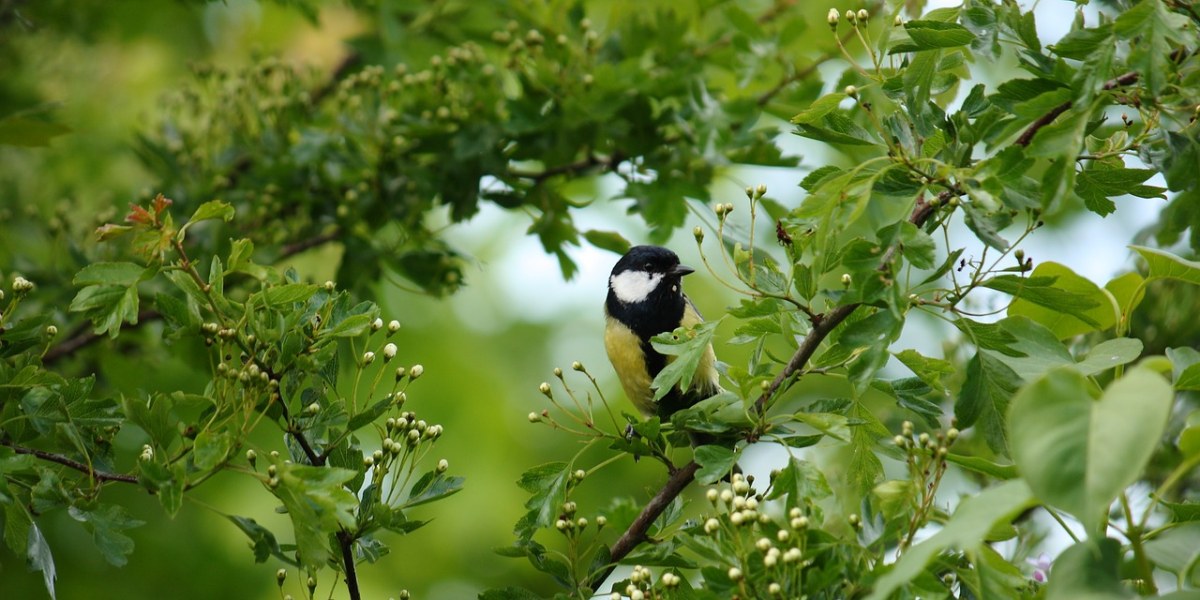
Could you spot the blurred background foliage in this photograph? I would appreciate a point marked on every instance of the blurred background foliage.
(403, 149)
(301, 114)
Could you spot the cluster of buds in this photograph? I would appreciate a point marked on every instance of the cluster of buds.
(853, 17)
(937, 445)
(756, 192)
(569, 524)
(641, 581)
(20, 285)
(780, 546)
(147, 453)
(723, 210)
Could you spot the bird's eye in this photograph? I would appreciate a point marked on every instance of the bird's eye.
(647, 266)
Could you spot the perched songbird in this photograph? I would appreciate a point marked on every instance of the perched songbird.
(645, 298)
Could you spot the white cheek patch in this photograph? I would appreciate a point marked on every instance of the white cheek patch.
(634, 286)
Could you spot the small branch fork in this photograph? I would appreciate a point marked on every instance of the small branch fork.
(1044, 120)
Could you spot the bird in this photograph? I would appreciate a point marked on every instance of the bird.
(645, 298)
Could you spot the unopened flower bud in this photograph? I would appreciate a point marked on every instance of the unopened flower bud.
(389, 351)
(280, 576)
(251, 456)
(851, 91)
(846, 280)
(443, 465)
(578, 366)
(368, 358)
(393, 326)
(377, 324)
(534, 418)
(833, 17)
(51, 330)
(735, 574)
(698, 233)
(415, 372)
(863, 15)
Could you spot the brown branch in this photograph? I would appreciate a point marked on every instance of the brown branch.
(588, 162)
(83, 336)
(297, 247)
(636, 534)
(346, 541)
(1044, 120)
(74, 464)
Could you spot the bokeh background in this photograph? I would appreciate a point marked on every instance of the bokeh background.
(101, 70)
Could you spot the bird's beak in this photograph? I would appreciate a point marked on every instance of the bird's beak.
(681, 270)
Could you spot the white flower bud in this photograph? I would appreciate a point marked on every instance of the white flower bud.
(377, 324)
(393, 326)
(368, 358)
(416, 371)
(389, 351)
(443, 465)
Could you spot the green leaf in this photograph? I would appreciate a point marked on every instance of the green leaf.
(214, 209)
(983, 466)
(122, 274)
(1096, 185)
(715, 462)
(929, 370)
(688, 346)
(937, 34)
(802, 482)
(1128, 290)
(211, 448)
(831, 424)
(986, 391)
(1074, 305)
(1164, 265)
(819, 108)
(607, 240)
(108, 306)
(1176, 551)
(1090, 569)
(1157, 31)
(1059, 292)
(1109, 354)
(40, 559)
(106, 523)
(433, 486)
(262, 540)
(1082, 43)
(548, 485)
(1078, 452)
(968, 528)
(288, 293)
(318, 505)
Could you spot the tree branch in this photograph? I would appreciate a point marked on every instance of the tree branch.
(1044, 120)
(636, 534)
(74, 464)
(84, 336)
(588, 162)
(346, 541)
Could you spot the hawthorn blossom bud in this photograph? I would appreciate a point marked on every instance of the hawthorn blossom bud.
(735, 574)
(863, 15)
(389, 351)
(545, 389)
(846, 280)
(578, 366)
(393, 326)
(329, 286)
(21, 285)
(280, 576)
(761, 190)
(534, 418)
(698, 233)
(416, 372)
(51, 330)
(443, 465)
(711, 526)
(852, 17)
(377, 324)
(774, 589)
(251, 456)
(851, 91)
(712, 495)
(368, 358)
(833, 17)
(898, 21)
(400, 372)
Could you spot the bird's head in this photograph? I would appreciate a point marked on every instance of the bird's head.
(646, 273)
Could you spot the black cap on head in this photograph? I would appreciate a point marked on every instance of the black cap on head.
(652, 259)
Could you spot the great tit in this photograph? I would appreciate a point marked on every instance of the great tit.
(645, 298)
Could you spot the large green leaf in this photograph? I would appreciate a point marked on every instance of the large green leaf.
(1157, 31)
(1079, 452)
(688, 347)
(1089, 570)
(1164, 265)
(1066, 320)
(967, 529)
(984, 398)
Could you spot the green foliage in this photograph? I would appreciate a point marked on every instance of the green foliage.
(1051, 398)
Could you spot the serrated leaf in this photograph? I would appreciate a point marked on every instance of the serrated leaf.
(1157, 30)
(1069, 306)
(110, 273)
(715, 462)
(801, 481)
(106, 524)
(318, 506)
(927, 34)
(819, 108)
(687, 347)
(38, 554)
(986, 392)
(214, 209)
(262, 540)
(433, 486)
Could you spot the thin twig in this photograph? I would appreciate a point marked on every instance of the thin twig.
(1044, 120)
(584, 164)
(74, 464)
(84, 336)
